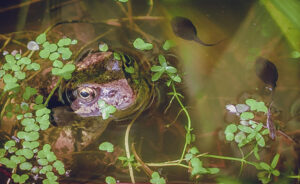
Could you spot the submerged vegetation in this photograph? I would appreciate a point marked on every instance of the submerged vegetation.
(28, 159)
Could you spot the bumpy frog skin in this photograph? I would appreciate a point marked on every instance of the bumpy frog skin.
(116, 93)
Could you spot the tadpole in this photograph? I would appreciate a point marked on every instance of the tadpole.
(185, 29)
(266, 71)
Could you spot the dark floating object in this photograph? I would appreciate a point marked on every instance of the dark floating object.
(184, 28)
(266, 71)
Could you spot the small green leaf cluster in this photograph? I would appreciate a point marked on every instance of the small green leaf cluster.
(106, 146)
(164, 68)
(56, 52)
(248, 130)
(126, 160)
(142, 45)
(267, 170)
(106, 110)
(156, 179)
(197, 165)
(14, 70)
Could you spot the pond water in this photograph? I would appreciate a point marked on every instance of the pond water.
(154, 131)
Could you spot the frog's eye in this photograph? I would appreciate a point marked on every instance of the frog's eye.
(86, 93)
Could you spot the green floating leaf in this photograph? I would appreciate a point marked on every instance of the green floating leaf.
(30, 145)
(10, 59)
(194, 151)
(18, 56)
(229, 136)
(53, 56)
(20, 75)
(41, 38)
(258, 106)
(29, 91)
(123, 1)
(8, 78)
(39, 99)
(232, 128)
(42, 111)
(156, 179)
(175, 78)
(33, 66)
(42, 161)
(156, 76)
(141, 45)
(157, 68)
(197, 167)
(239, 137)
(45, 53)
(260, 140)
(110, 180)
(58, 64)
(24, 61)
(52, 47)
(247, 116)
(65, 53)
(15, 68)
(103, 47)
(25, 166)
(74, 42)
(213, 170)
(27, 153)
(106, 146)
(245, 129)
(8, 163)
(64, 42)
(9, 144)
(264, 166)
(17, 159)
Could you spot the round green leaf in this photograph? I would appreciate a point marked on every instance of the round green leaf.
(103, 47)
(106, 146)
(110, 180)
(41, 38)
(53, 56)
(25, 166)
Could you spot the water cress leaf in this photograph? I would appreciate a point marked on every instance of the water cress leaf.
(58, 64)
(197, 167)
(247, 116)
(194, 151)
(103, 47)
(275, 172)
(171, 69)
(123, 1)
(264, 166)
(44, 53)
(25, 166)
(15, 67)
(141, 45)
(106, 146)
(260, 140)
(41, 38)
(175, 78)
(24, 60)
(29, 92)
(68, 68)
(156, 179)
(20, 75)
(255, 151)
(156, 76)
(157, 69)
(42, 161)
(39, 99)
(231, 128)
(10, 59)
(239, 137)
(74, 42)
(34, 66)
(162, 60)
(9, 144)
(245, 129)
(53, 56)
(65, 53)
(110, 180)
(64, 42)
(117, 56)
(2, 152)
(213, 170)
(168, 44)
(229, 136)
(275, 160)
(10, 86)
(264, 132)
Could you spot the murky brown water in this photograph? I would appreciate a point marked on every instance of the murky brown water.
(212, 78)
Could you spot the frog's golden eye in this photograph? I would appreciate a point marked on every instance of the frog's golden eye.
(86, 93)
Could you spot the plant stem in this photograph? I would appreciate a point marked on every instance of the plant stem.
(52, 91)
(229, 158)
(189, 125)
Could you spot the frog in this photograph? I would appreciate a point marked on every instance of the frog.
(78, 123)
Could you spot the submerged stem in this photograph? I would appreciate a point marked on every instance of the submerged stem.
(52, 91)
(189, 125)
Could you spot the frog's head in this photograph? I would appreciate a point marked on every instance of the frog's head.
(100, 76)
